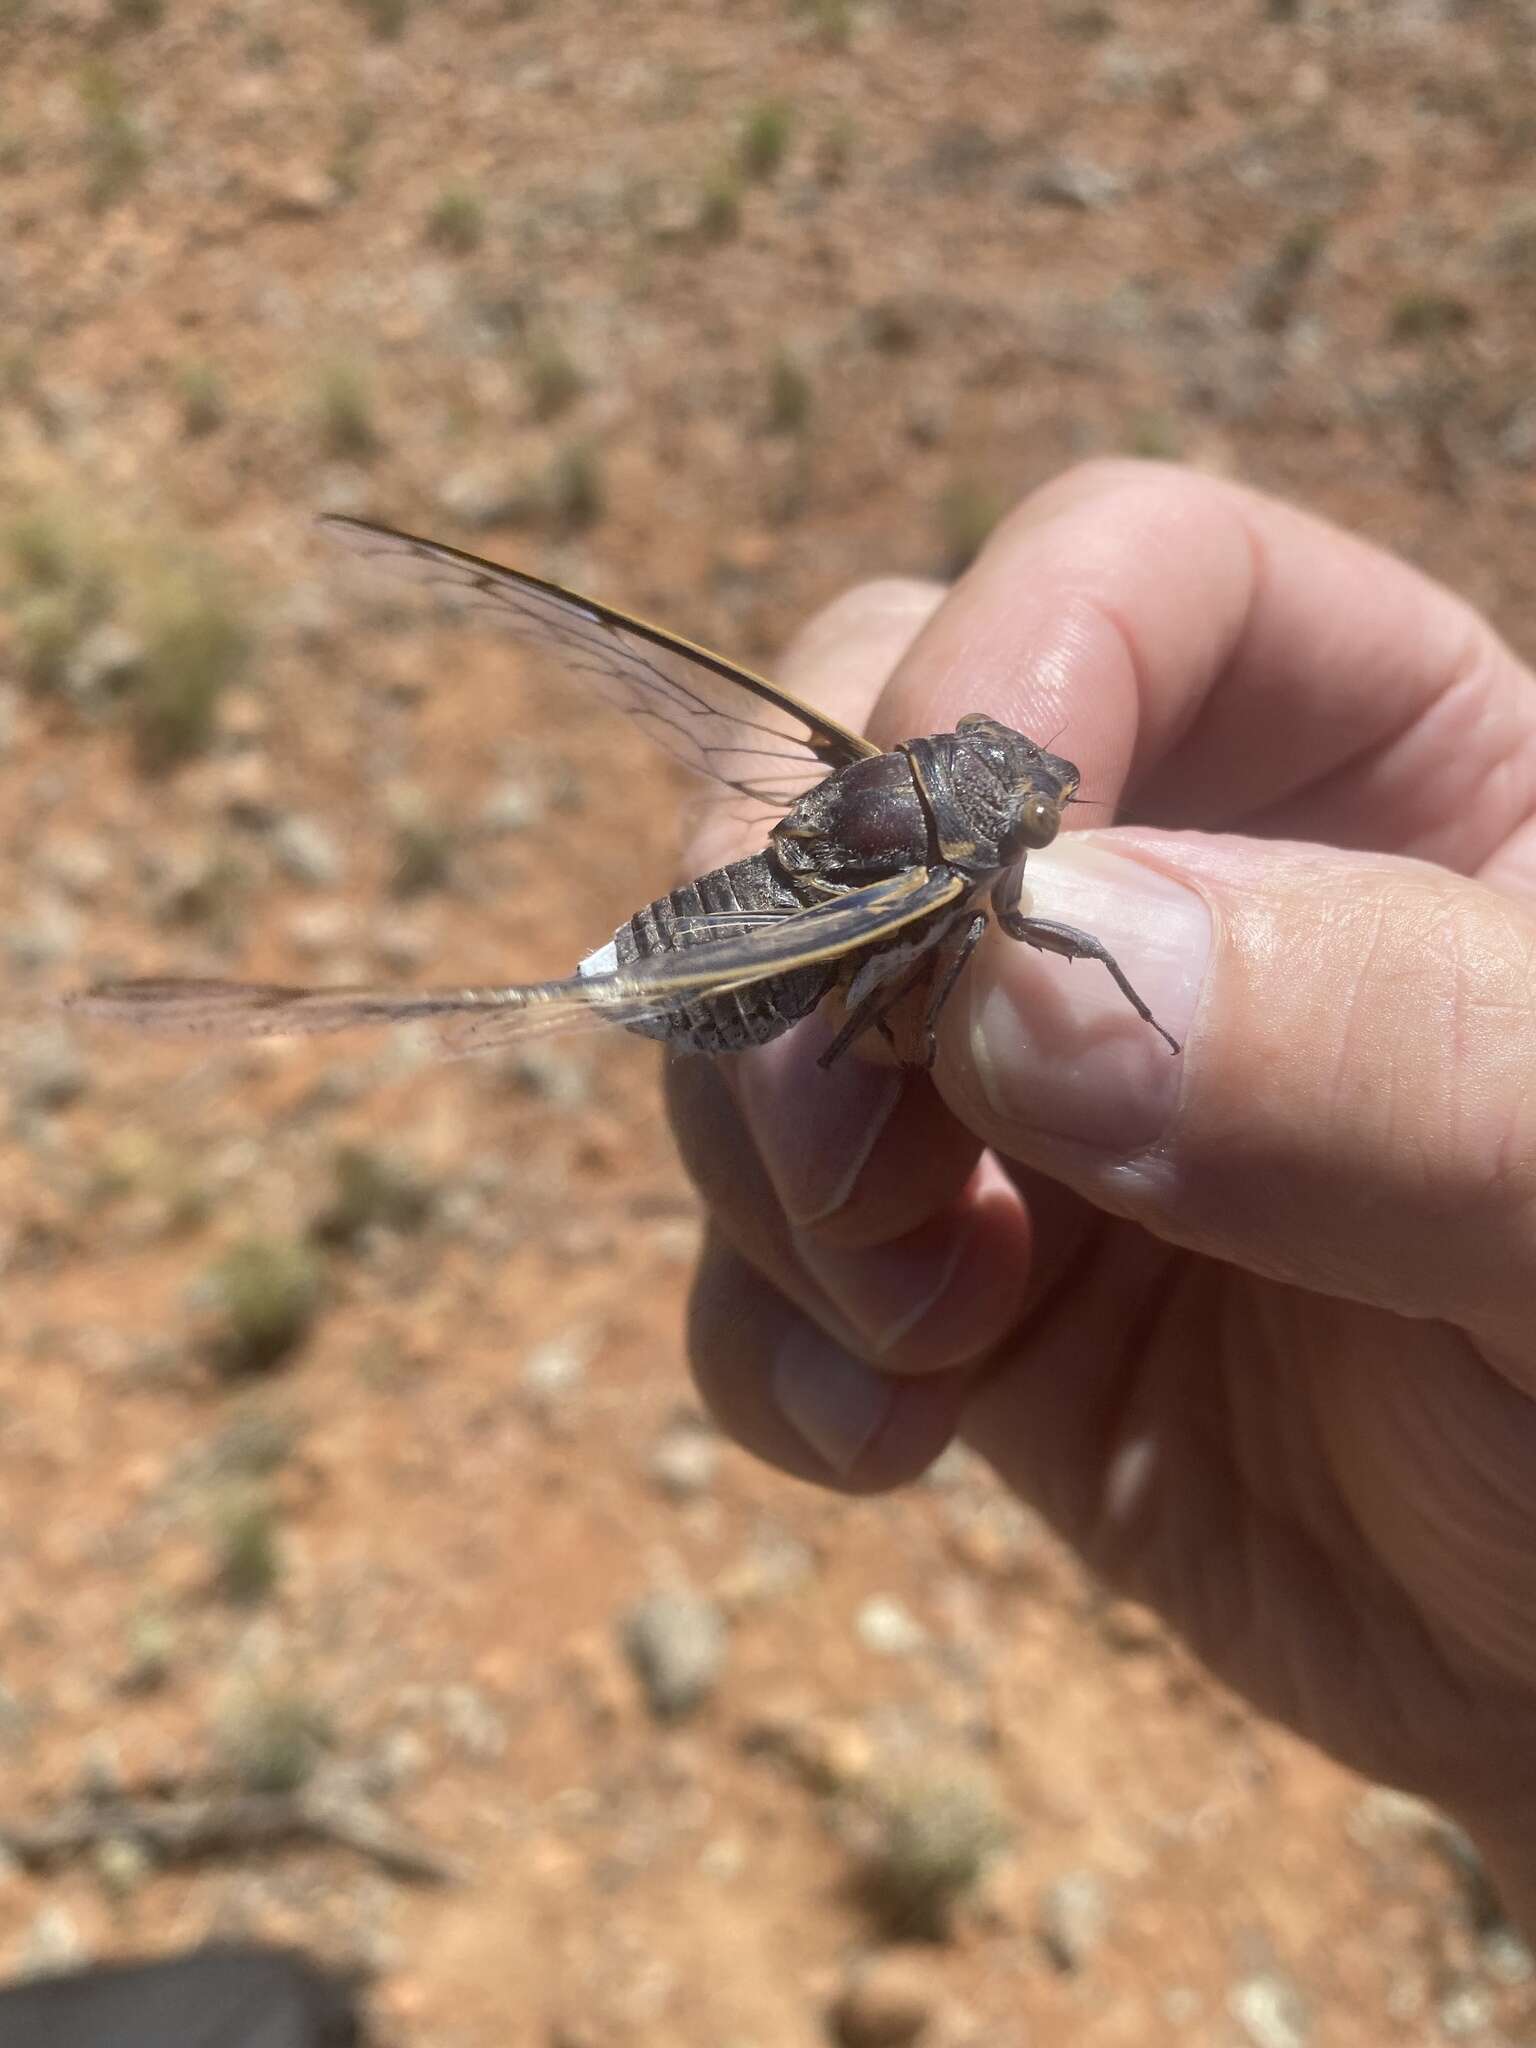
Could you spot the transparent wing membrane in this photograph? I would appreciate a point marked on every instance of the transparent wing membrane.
(730, 956)
(715, 717)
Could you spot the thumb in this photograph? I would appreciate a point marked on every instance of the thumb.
(1354, 1109)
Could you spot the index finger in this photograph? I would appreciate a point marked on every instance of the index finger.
(1211, 657)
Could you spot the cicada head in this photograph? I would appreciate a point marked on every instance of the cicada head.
(1034, 787)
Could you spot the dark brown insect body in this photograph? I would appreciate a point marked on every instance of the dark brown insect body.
(953, 800)
(876, 881)
(863, 822)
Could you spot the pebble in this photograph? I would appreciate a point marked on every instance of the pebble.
(1466, 2010)
(319, 930)
(304, 849)
(888, 2002)
(480, 497)
(1073, 1918)
(244, 785)
(1075, 182)
(401, 943)
(555, 1370)
(684, 1458)
(774, 1564)
(675, 1642)
(477, 1729)
(825, 1755)
(300, 194)
(123, 1865)
(46, 1072)
(548, 1075)
(107, 658)
(101, 1770)
(511, 807)
(52, 1943)
(50, 933)
(1130, 1628)
(885, 1626)
(1383, 1814)
(79, 866)
(1507, 1957)
(1270, 2011)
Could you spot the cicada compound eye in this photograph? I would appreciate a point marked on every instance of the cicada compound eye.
(1039, 820)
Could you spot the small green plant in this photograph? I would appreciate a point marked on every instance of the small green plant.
(129, 14)
(831, 21)
(272, 1739)
(720, 208)
(348, 429)
(575, 488)
(48, 630)
(1428, 316)
(373, 1192)
(115, 147)
(151, 1650)
(65, 591)
(194, 646)
(200, 392)
(968, 512)
(457, 221)
(554, 381)
(425, 844)
(789, 396)
(268, 1295)
(386, 19)
(132, 1166)
(936, 1830)
(764, 140)
(43, 554)
(247, 1563)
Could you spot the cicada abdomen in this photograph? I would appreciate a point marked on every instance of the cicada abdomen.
(746, 895)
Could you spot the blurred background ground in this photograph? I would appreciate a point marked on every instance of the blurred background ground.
(344, 1436)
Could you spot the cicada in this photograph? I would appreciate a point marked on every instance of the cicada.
(876, 882)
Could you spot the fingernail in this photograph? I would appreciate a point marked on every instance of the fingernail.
(885, 1290)
(1055, 1045)
(835, 1402)
(814, 1130)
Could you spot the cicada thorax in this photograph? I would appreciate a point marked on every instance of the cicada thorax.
(864, 822)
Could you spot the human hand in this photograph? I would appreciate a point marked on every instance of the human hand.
(1255, 1328)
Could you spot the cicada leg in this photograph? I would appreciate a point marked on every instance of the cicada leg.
(1071, 944)
(942, 959)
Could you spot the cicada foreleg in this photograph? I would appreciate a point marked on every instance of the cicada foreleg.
(1071, 944)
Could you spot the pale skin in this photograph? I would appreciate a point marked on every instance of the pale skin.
(1255, 1328)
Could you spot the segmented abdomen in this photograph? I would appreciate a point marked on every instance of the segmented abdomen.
(726, 1023)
